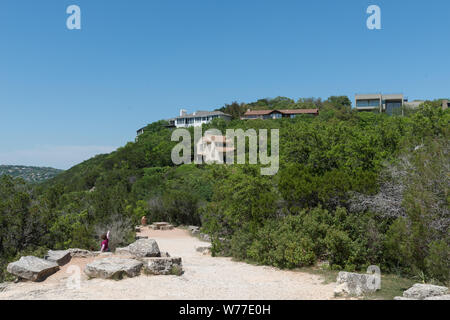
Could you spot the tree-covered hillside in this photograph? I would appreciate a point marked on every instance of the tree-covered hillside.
(353, 189)
(29, 174)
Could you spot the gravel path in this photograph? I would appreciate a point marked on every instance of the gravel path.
(205, 277)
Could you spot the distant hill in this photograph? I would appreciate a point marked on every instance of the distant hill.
(30, 174)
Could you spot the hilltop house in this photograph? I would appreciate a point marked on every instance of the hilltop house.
(212, 148)
(277, 114)
(195, 119)
(198, 118)
(390, 103)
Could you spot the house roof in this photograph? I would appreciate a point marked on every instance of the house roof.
(285, 111)
(203, 114)
(300, 111)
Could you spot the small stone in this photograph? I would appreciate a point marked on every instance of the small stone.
(163, 265)
(204, 250)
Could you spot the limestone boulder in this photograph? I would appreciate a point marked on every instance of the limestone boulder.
(355, 284)
(32, 268)
(113, 268)
(163, 265)
(61, 257)
(422, 291)
(141, 248)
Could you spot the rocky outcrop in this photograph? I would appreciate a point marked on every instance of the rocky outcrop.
(141, 248)
(163, 265)
(61, 257)
(421, 291)
(32, 268)
(113, 268)
(354, 284)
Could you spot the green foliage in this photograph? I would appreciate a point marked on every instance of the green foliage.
(290, 220)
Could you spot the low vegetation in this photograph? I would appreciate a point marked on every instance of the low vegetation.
(353, 189)
(29, 174)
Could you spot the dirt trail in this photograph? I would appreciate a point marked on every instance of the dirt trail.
(205, 277)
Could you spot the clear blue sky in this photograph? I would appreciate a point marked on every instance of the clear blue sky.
(67, 95)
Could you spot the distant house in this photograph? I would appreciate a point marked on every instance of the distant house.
(191, 120)
(277, 114)
(198, 118)
(140, 131)
(389, 103)
(213, 148)
(445, 104)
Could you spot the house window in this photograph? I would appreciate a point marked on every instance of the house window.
(368, 103)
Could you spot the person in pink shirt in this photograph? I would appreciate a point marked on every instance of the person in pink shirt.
(105, 242)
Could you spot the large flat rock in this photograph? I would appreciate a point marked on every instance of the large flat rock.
(61, 257)
(162, 265)
(113, 268)
(141, 248)
(32, 268)
(422, 291)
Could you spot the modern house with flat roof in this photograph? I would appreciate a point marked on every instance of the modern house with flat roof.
(389, 103)
(277, 114)
(198, 118)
